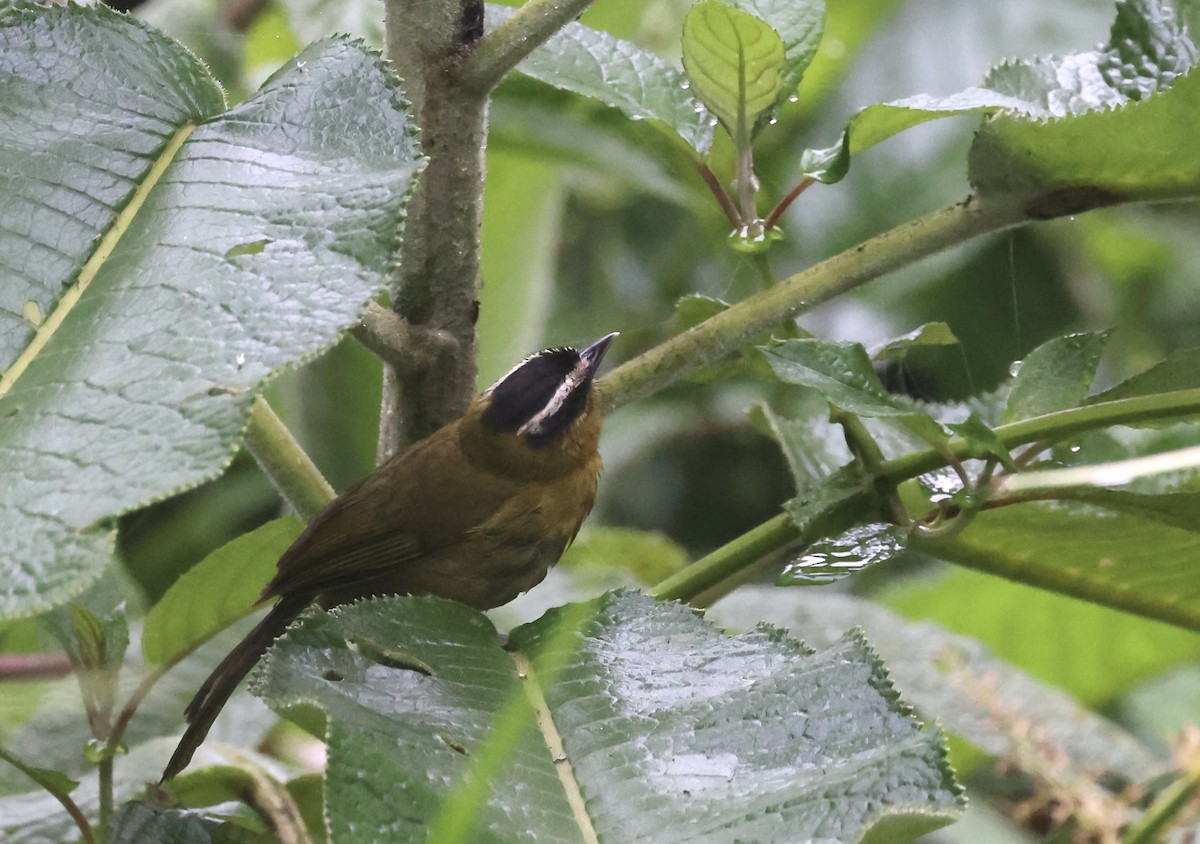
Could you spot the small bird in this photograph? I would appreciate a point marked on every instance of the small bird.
(477, 512)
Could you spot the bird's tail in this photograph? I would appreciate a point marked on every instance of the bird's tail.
(208, 702)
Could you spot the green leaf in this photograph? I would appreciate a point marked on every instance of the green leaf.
(1118, 120)
(800, 25)
(1074, 131)
(829, 507)
(929, 334)
(1121, 561)
(648, 555)
(143, 823)
(843, 373)
(837, 557)
(594, 64)
(1093, 652)
(982, 438)
(1055, 376)
(814, 449)
(953, 678)
(658, 714)
(157, 331)
(216, 592)
(1180, 370)
(733, 61)
(36, 817)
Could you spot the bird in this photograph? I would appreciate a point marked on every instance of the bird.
(476, 512)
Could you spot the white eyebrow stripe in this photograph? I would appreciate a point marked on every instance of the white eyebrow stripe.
(566, 388)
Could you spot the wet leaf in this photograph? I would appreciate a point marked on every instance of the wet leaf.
(160, 321)
(657, 711)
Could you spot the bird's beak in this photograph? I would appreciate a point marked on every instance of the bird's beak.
(594, 354)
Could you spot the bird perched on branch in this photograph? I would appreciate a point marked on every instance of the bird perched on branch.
(477, 512)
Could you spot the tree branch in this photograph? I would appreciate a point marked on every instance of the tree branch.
(727, 331)
(503, 49)
(436, 285)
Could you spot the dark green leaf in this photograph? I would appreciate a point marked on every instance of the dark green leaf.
(658, 713)
(137, 381)
(216, 592)
(1055, 376)
(143, 823)
(982, 438)
(843, 373)
(829, 507)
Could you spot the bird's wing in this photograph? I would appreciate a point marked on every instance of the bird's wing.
(378, 527)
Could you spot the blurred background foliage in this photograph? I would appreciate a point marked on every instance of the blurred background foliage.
(595, 223)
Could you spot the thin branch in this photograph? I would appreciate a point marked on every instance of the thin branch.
(778, 211)
(501, 50)
(732, 558)
(722, 195)
(396, 342)
(725, 332)
(34, 666)
(71, 807)
(285, 463)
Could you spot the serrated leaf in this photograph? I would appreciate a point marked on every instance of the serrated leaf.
(657, 711)
(828, 508)
(842, 372)
(618, 73)
(216, 592)
(137, 382)
(954, 678)
(814, 449)
(1095, 153)
(733, 61)
(1117, 560)
(800, 25)
(1055, 376)
(142, 823)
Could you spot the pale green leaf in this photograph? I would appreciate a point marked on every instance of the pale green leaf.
(733, 61)
(262, 231)
(1118, 560)
(216, 592)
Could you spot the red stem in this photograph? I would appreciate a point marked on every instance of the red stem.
(778, 210)
(723, 198)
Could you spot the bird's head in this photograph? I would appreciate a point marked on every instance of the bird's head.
(542, 417)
